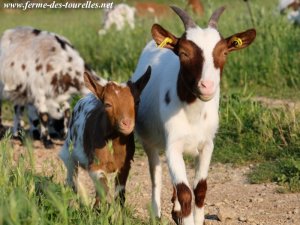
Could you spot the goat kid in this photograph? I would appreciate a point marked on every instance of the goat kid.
(179, 107)
(108, 113)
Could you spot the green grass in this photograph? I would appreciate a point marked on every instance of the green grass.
(252, 133)
(248, 133)
(30, 198)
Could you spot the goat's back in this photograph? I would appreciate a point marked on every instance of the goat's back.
(165, 67)
(40, 59)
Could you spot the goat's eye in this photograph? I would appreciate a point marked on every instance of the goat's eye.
(225, 53)
(107, 105)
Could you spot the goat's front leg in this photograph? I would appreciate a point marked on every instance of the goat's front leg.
(33, 122)
(44, 118)
(17, 127)
(67, 117)
(126, 151)
(100, 181)
(200, 185)
(182, 195)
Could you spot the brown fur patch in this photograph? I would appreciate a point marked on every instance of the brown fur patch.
(38, 67)
(49, 68)
(63, 82)
(70, 59)
(77, 73)
(196, 6)
(54, 79)
(219, 55)
(191, 63)
(111, 160)
(12, 64)
(18, 88)
(23, 66)
(151, 9)
(184, 196)
(200, 192)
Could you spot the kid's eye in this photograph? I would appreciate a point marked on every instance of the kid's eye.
(107, 105)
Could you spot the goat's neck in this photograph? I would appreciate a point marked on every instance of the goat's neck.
(198, 108)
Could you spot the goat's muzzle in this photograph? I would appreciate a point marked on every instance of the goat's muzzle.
(126, 126)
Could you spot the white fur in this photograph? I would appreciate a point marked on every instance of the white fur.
(283, 4)
(177, 127)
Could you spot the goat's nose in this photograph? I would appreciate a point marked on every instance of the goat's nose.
(126, 122)
(206, 87)
(207, 84)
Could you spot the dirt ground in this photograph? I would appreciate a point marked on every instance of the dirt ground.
(230, 198)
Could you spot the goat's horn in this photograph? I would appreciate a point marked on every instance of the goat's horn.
(213, 21)
(186, 19)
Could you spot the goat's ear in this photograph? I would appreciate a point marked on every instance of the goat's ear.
(160, 36)
(141, 83)
(240, 40)
(92, 84)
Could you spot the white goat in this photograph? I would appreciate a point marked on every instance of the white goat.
(41, 68)
(123, 14)
(119, 16)
(178, 111)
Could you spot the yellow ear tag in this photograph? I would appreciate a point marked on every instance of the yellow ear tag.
(167, 40)
(236, 42)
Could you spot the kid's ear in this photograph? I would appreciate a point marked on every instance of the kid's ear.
(141, 83)
(240, 40)
(163, 38)
(93, 85)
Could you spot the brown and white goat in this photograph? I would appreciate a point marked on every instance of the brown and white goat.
(179, 108)
(106, 114)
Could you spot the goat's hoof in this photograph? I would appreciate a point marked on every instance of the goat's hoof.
(177, 219)
(36, 135)
(3, 130)
(18, 138)
(48, 143)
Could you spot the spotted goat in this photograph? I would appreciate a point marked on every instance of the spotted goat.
(43, 69)
(107, 114)
(179, 107)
